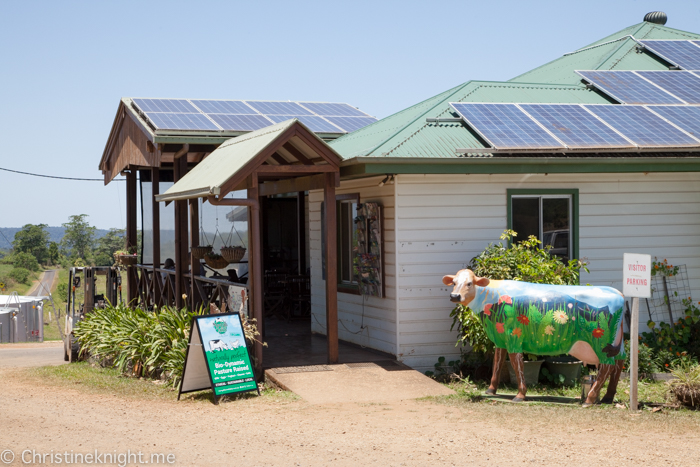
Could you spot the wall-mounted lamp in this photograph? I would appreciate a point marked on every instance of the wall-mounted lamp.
(388, 179)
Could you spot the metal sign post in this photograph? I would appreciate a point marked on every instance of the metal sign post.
(636, 280)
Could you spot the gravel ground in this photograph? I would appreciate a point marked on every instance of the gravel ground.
(45, 417)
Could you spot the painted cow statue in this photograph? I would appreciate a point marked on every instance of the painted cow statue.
(543, 319)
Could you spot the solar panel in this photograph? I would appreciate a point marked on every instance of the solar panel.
(684, 54)
(232, 115)
(681, 84)
(350, 124)
(224, 107)
(641, 126)
(505, 126)
(314, 123)
(181, 121)
(229, 122)
(325, 109)
(685, 116)
(279, 108)
(165, 105)
(576, 127)
(627, 87)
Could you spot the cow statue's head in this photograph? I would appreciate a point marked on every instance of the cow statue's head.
(464, 282)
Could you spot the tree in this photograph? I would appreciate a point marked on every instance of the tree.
(79, 237)
(33, 239)
(53, 253)
(107, 245)
(25, 261)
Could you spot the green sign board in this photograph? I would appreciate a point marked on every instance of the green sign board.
(217, 357)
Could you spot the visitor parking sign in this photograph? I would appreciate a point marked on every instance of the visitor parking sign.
(636, 275)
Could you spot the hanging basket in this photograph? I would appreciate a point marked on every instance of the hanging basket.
(127, 260)
(215, 261)
(200, 252)
(233, 254)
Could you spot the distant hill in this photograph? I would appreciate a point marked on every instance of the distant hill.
(7, 234)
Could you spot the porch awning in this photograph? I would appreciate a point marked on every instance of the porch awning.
(287, 149)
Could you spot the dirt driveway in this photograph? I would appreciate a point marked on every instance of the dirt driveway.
(282, 431)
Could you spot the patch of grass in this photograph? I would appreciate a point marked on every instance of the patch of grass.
(84, 376)
(50, 328)
(12, 286)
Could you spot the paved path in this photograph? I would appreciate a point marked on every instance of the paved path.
(31, 354)
(47, 278)
(377, 382)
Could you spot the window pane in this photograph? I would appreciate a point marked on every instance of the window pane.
(344, 231)
(555, 221)
(526, 217)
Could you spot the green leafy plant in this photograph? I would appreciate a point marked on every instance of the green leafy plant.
(662, 268)
(20, 275)
(670, 343)
(525, 261)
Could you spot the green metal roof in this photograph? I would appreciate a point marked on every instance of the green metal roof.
(407, 134)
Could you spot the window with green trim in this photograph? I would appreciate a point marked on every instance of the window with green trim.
(551, 215)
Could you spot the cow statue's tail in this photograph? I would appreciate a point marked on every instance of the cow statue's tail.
(617, 347)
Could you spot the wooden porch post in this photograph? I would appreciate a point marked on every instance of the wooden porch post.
(331, 269)
(194, 241)
(255, 269)
(155, 188)
(180, 167)
(301, 232)
(131, 291)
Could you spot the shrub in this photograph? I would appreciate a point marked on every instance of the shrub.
(25, 261)
(20, 275)
(62, 291)
(673, 344)
(524, 261)
(141, 342)
(686, 385)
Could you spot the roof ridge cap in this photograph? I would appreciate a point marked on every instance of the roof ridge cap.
(459, 88)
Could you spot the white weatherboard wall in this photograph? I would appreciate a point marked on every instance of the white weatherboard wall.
(379, 313)
(445, 220)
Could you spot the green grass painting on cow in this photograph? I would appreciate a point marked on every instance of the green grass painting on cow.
(551, 317)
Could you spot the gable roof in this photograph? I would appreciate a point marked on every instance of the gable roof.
(229, 164)
(409, 134)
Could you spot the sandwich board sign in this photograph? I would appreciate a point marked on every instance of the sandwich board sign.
(217, 357)
(636, 283)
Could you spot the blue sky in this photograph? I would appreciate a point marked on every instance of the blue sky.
(66, 65)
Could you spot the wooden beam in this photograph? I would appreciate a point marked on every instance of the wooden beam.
(181, 260)
(292, 185)
(295, 169)
(279, 159)
(297, 153)
(255, 263)
(262, 156)
(155, 207)
(320, 148)
(131, 236)
(301, 231)
(194, 241)
(331, 269)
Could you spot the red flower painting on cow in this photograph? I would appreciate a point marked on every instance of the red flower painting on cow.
(487, 309)
(598, 333)
(505, 299)
(500, 328)
(522, 319)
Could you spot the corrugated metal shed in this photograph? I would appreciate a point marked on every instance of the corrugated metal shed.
(407, 134)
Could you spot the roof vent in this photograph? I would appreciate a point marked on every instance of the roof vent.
(657, 17)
